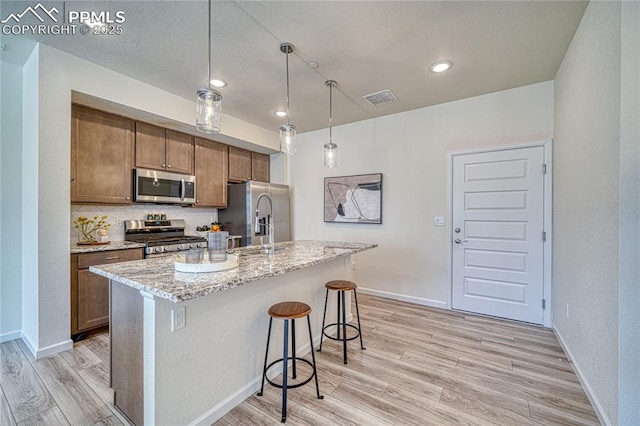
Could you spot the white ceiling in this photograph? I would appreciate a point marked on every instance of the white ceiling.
(366, 46)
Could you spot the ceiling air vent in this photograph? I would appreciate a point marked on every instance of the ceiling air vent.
(379, 98)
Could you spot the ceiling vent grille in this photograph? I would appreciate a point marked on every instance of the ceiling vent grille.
(383, 97)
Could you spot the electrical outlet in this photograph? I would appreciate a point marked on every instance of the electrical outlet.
(178, 318)
(354, 266)
(118, 223)
(439, 221)
(566, 310)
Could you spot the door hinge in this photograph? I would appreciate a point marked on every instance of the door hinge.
(544, 169)
(544, 304)
(544, 236)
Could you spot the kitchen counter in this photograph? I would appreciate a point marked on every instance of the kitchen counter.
(184, 350)
(158, 277)
(113, 245)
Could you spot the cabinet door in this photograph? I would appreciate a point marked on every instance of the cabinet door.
(101, 157)
(239, 164)
(150, 146)
(260, 167)
(211, 173)
(179, 152)
(93, 300)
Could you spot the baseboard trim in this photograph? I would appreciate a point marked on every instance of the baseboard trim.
(12, 335)
(47, 350)
(216, 413)
(588, 390)
(403, 298)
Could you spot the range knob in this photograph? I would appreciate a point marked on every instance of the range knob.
(158, 250)
(192, 245)
(179, 247)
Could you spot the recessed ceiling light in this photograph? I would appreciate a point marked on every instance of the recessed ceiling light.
(218, 82)
(440, 66)
(281, 113)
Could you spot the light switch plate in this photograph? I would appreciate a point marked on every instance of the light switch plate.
(439, 221)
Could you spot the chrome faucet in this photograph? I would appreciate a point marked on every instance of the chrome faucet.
(266, 248)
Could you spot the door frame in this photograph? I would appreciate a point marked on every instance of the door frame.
(546, 144)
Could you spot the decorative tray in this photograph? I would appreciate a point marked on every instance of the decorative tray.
(206, 266)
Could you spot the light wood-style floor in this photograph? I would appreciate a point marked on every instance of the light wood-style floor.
(422, 366)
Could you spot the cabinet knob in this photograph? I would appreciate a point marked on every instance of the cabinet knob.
(168, 166)
(127, 198)
(163, 166)
(197, 201)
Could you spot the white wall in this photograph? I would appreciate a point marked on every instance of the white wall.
(50, 76)
(588, 190)
(410, 150)
(11, 202)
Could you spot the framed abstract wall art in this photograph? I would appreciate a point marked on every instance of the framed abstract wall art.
(353, 199)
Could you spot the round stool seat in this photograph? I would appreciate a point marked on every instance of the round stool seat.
(289, 310)
(341, 285)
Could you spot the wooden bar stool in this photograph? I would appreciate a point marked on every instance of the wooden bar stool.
(342, 286)
(289, 311)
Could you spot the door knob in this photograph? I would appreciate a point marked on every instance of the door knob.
(457, 230)
(459, 241)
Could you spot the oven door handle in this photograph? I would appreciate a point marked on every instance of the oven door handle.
(183, 189)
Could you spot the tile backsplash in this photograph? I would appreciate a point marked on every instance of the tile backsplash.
(117, 214)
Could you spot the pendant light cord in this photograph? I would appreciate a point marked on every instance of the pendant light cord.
(287, 55)
(209, 69)
(331, 113)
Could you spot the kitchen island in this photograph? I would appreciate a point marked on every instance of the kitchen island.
(195, 374)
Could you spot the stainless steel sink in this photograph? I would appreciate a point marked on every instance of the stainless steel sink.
(258, 251)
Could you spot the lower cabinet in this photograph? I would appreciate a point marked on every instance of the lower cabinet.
(90, 292)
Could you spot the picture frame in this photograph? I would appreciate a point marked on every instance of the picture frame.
(353, 199)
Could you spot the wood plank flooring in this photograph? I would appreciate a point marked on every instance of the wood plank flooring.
(69, 388)
(422, 366)
(427, 366)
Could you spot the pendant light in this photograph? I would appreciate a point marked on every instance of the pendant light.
(209, 100)
(287, 131)
(330, 149)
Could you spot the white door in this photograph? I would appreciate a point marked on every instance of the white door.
(497, 233)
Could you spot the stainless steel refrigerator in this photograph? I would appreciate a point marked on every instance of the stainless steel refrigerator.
(240, 217)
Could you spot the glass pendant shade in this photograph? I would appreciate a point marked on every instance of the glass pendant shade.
(287, 131)
(330, 149)
(208, 110)
(330, 155)
(208, 101)
(288, 139)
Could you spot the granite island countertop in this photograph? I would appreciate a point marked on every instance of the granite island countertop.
(158, 276)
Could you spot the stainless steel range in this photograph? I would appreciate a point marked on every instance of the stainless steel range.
(162, 237)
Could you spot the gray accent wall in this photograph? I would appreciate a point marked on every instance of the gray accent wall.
(10, 207)
(594, 169)
(629, 285)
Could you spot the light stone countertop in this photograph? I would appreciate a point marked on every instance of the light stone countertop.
(158, 276)
(113, 245)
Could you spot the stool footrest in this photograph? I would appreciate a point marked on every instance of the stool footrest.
(284, 372)
(340, 339)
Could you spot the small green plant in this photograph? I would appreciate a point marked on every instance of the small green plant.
(87, 228)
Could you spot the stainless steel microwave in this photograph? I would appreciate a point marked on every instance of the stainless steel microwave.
(153, 186)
